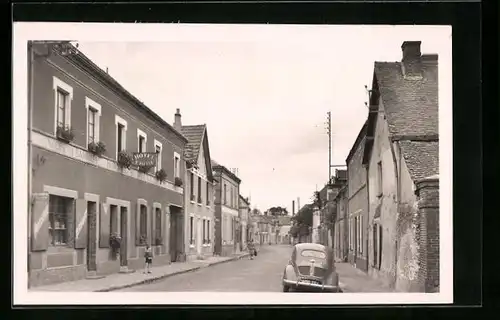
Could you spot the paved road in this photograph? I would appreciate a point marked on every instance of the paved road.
(263, 274)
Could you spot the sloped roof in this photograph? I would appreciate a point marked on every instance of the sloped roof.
(421, 157)
(83, 61)
(411, 106)
(194, 135)
(411, 111)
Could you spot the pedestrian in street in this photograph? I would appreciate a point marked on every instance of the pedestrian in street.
(148, 256)
(251, 249)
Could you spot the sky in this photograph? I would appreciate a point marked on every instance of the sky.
(264, 93)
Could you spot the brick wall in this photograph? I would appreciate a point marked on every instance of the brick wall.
(428, 206)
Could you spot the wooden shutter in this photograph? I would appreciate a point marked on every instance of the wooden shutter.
(40, 222)
(152, 233)
(104, 226)
(138, 224)
(81, 224)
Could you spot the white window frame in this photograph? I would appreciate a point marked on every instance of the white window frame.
(177, 165)
(59, 84)
(120, 120)
(140, 134)
(89, 103)
(159, 158)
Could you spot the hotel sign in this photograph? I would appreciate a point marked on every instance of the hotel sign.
(144, 159)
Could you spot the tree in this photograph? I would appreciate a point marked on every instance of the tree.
(256, 212)
(277, 211)
(303, 220)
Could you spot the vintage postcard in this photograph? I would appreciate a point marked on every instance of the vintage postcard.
(269, 164)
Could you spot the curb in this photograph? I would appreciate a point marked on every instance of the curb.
(151, 280)
(146, 281)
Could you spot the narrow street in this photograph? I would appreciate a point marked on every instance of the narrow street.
(261, 274)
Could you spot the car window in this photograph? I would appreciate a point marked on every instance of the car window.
(313, 254)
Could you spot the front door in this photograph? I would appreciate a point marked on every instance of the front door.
(91, 236)
(123, 233)
(173, 236)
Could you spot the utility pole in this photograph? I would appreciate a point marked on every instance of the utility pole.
(329, 132)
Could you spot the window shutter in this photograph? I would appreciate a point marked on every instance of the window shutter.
(40, 222)
(104, 226)
(138, 224)
(81, 224)
(153, 224)
(148, 225)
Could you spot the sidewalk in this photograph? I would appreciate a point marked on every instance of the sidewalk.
(125, 280)
(352, 279)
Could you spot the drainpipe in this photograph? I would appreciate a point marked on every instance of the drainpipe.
(398, 194)
(30, 150)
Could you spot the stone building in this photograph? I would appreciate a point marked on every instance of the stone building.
(87, 193)
(357, 204)
(245, 222)
(199, 206)
(227, 192)
(401, 153)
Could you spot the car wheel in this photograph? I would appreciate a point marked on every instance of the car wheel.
(286, 288)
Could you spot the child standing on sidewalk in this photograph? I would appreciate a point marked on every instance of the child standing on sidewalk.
(148, 255)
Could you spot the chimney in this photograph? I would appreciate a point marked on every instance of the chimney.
(177, 121)
(293, 207)
(411, 64)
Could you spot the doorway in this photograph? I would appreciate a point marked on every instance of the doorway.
(124, 236)
(91, 236)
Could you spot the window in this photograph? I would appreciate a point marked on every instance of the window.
(60, 213)
(121, 134)
(208, 231)
(158, 223)
(379, 179)
(177, 169)
(225, 194)
(204, 232)
(144, 223)
(141, 141)
(232, 197)
(191, 231)
(93, 115)
(62, 98)
(113, 219)
(120, 137)
(208, 194)
(158, 149)
(192, 186)
(313, 254)
(63, 94)
(361, 238)
(199, 191)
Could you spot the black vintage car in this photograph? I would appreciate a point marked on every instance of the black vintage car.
(311, 268)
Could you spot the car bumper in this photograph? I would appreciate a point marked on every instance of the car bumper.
(306, 285)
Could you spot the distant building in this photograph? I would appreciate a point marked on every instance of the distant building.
(245, 221)
(226, 210)
(198, 191)
(357, 195)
